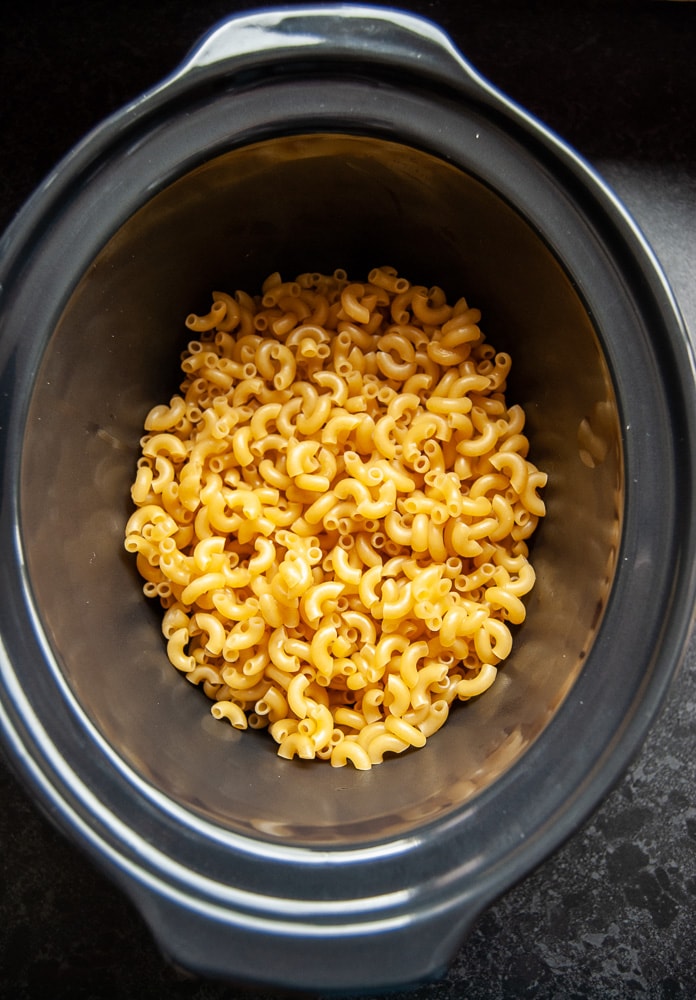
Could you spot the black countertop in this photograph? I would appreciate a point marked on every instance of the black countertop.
(613, 913)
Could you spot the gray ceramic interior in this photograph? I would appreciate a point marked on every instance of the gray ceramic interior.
(294, 204)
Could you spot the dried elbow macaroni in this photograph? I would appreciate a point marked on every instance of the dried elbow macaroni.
(335, 512)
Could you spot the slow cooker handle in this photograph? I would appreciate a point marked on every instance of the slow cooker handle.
(376, 955)
(382, 36)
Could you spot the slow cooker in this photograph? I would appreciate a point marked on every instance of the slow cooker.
(313, 138)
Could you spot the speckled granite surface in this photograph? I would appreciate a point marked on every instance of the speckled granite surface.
(613, 913)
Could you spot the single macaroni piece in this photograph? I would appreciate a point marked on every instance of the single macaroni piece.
(335, 512)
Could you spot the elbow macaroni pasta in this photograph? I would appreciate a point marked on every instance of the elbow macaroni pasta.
(335, 512)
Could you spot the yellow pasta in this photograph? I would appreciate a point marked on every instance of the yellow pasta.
(335, 513)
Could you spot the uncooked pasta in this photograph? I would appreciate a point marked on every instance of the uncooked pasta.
(335, 510)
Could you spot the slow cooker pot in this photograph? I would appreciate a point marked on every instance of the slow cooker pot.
(309, 139)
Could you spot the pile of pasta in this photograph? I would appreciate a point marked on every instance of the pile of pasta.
(335, 512)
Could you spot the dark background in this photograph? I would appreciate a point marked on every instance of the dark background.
(613, 913)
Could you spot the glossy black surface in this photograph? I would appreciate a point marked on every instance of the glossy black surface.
(611, 914)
